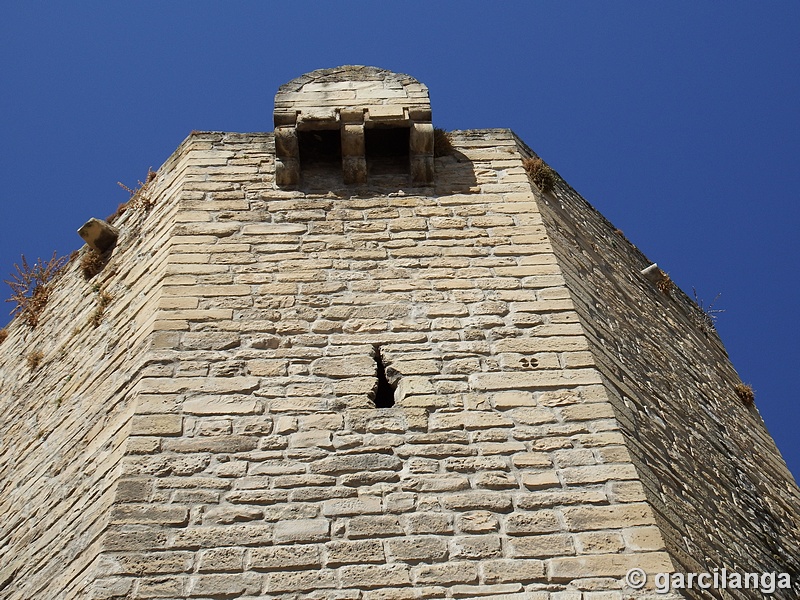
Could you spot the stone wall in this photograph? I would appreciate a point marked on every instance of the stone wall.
(64, 415)
(217, 435)
(258, 463)
(721, 491)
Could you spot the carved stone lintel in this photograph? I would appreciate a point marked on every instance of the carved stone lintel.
(99, 235)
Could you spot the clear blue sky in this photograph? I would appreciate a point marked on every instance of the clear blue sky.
(679, 121)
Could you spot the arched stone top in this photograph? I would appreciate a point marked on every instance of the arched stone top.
(376, 93)
(349, 100)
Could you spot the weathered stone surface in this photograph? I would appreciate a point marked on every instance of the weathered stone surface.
(356, 462)
(301, 530)
(223, 440)
(285, 558)
(353, 366)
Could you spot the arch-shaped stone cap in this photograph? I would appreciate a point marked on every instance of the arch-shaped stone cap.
(380, 93)
(349, 99)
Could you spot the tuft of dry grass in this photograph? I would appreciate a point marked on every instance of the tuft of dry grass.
(745, 393)
(540, 173)
(3, 335)
(30, 287)
(665, 284)
(91, 264)
(140, 196)
(441, 143)
(34, 359)
(103, 300)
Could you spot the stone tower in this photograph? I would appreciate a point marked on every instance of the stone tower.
(355, 360)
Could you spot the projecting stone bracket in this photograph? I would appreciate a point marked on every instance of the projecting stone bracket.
(287, 153)
(99, 235)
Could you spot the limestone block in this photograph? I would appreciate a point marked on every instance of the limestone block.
(640, 539)
(436, 483)
(217, 444)
(299, 581)
(352, 463)
(468, 420)
(375, 575)
(606, 565)
(532, 460)
(417, 549)
(597, 473)
(340, 553)
(475, 547)
(494, 501)
(286, 557)
(512, 571)
(373, 526)
(363, 505)
(495, 480)
(223, 515)
(146, 514)
(222, 405)
(351, 366)
(541, 546)
(588, 411)
(541, 521)
(301, 530)
(221, 559)
(99, 235)
(586, 518)
(419, 523)
(152, 562)
(533, 379)
(159, 425)
(594, 542)
(540, 480)
(450, 573)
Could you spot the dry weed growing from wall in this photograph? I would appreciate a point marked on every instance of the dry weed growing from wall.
(91, 264)
(542, 175)
(140, 196)
(34, 359)
(441, 143)
(30, 287)
(103, 300)
(745, 393)
(665, 284)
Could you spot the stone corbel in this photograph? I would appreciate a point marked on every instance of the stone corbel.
(421, 153)
(354, 162)
(99, 235)
(287, 153)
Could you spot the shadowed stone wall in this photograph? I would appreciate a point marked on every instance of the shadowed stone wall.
(720, 489)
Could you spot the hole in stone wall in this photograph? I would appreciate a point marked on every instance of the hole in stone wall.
(387, 151)
(320, 149)
(384, 392)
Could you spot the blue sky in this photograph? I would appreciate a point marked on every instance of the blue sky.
(679, 121)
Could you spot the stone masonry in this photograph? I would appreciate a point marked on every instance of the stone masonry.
(205, 418)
